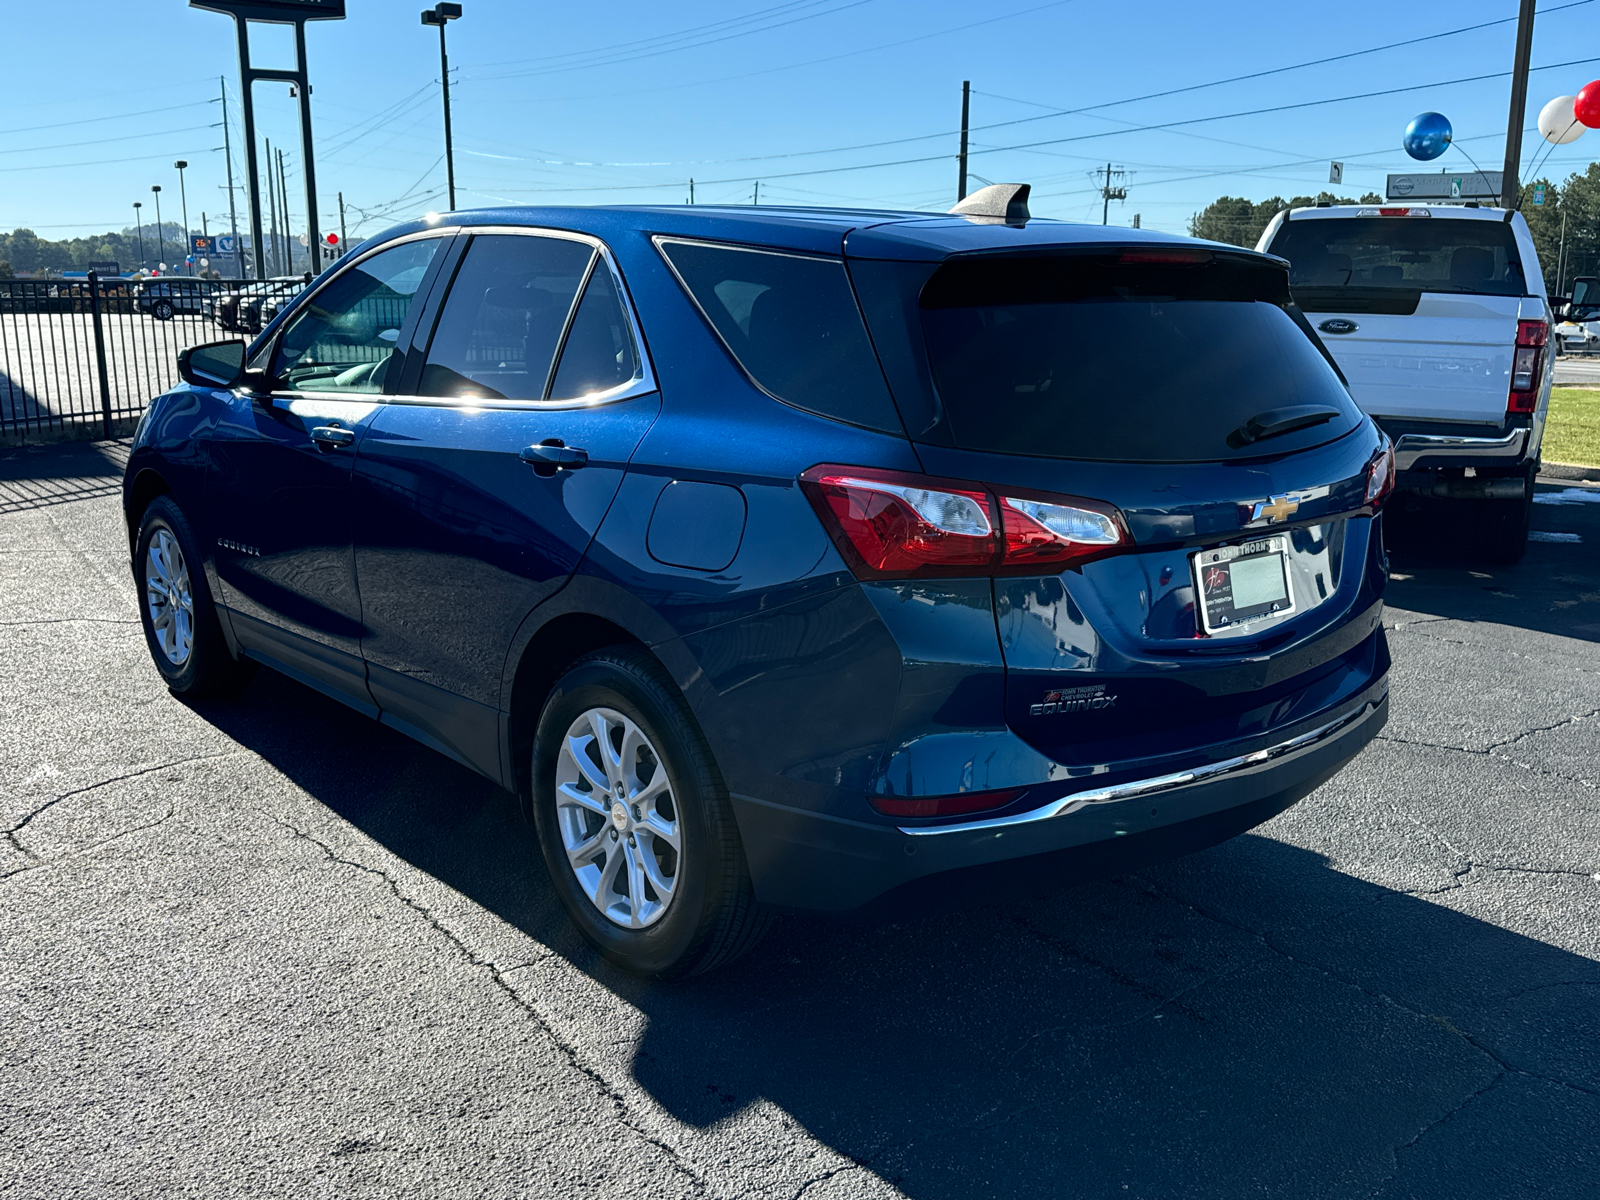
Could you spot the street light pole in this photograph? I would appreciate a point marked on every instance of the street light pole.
(438, 15)
(161, 242)
(1510, 186)
(138, 226)
(183, 195)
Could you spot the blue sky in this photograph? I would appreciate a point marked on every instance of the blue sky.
(624, 101)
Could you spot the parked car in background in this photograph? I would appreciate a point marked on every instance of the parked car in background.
(164, 299)
(1438, 318)
(792, 559)
(240, 308)
(1578, 331)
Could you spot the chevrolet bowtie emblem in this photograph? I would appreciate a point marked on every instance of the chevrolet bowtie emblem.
(1275, 509)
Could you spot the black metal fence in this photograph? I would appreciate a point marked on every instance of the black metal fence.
(82, 358)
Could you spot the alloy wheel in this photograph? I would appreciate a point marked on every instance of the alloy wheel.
(619, 821)
(169, 597)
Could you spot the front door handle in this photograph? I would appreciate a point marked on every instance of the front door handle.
(551, 455)
(332, 437)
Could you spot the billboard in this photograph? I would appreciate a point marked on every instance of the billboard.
(276, 10)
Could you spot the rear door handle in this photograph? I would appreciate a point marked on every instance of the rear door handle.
(332, 437)
(551, 456)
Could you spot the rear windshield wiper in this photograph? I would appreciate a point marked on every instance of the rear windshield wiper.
(1278, 421)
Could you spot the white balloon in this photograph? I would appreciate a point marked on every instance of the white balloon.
(1557, 123)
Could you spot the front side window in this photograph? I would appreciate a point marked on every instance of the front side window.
(792, 323)
(512, 310)
(345, 336)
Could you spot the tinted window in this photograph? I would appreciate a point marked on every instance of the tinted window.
(1426, 254)
(345, 335)
(1072, 357)
(503, 317)
(598, 354)
(792, 324)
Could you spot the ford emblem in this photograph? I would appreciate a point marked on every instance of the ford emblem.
(1338, 325)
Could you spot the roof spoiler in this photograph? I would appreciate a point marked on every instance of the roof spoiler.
(1006, 202)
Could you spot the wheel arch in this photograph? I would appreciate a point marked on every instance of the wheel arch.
(146, 486)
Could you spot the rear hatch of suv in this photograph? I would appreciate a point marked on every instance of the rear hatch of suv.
(1418, 305)
(1177, 383)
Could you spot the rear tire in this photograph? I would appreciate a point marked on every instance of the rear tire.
(180, 621)
(162, 310)
(654, 876)
(1506, 526)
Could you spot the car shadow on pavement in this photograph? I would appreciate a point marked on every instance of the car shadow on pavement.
(1243, 1021)
(1437, 567)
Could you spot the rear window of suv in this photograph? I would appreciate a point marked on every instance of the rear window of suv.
(1122, 357)
(1406, 254)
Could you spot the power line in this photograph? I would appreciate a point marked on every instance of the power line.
(129, 137)
(114, 117)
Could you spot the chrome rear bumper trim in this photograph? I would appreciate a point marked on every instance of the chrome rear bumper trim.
(1413, 446)
(1159, 783)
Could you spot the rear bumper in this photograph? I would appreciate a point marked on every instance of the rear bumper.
(805, 860)
(1449, 450)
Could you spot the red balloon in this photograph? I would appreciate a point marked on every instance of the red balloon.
(1587, 106)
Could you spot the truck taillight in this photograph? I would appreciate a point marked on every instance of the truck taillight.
(1380, 475)
(1526, 366)
(897, 525)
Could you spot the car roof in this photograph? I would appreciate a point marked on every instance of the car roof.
(863, 233)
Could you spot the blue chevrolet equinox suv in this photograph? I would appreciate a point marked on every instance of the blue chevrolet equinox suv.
(792, 558)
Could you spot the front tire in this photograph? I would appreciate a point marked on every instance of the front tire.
(162, 310)
(634, 822)
(180, 620)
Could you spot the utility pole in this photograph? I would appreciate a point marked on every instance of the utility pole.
(272, 213)
(138, 226)
(161, 243)
(691, 191)
(1109, 193)
(1561, 258)
(961, 158)
(757, 199)
(183, 194)
(288, 229)
(344, 238)
(1510, 189)
(439, 15)
(227, 153)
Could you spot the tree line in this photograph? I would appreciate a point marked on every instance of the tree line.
(25, 251)
(1240, 221)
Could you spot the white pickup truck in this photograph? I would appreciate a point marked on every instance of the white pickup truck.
(1437, 316)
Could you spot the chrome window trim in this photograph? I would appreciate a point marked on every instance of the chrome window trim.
(642, 384)
(1134, 789)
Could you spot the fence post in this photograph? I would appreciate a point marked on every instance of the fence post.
(100, 350)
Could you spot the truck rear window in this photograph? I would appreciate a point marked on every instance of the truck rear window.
(1413, 254)
(1098, 358)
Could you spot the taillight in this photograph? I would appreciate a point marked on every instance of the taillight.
(944, 806)
(1526, 366)
(895, 525)
(1380, 474)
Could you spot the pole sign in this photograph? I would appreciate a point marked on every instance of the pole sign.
(276, 10)
(201, 244)
(1474, 185)
(105, 268)
(1538, 196)
(225, 243)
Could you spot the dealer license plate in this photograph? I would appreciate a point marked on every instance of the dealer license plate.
(1241, 584)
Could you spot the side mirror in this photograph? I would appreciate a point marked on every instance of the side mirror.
(214, 365)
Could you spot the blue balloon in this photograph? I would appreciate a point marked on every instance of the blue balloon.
(1428, 136)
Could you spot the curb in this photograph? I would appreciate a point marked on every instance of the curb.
(1551, 470)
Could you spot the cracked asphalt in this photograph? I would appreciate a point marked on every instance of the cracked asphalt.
(270, 948)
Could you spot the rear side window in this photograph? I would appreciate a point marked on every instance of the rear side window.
(792, 323)
(1069, 356)
(599, 353)
(503, 319)
(1413, 254)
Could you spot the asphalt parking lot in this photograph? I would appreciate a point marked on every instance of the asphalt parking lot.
(270, 948)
